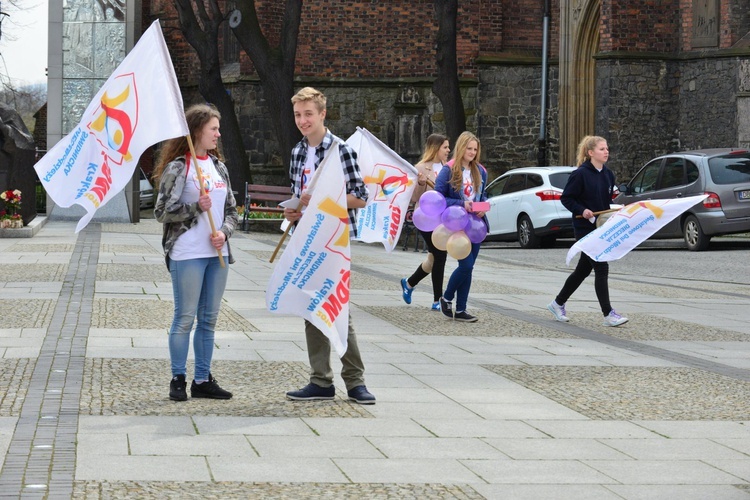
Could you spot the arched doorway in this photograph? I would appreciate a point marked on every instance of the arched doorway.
(579, 42)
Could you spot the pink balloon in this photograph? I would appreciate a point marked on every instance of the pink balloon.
(476, 229)
(454, 217)
(424, 222)
(432, 203)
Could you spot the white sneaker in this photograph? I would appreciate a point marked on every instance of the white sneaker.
(614, 319)
(558, 311)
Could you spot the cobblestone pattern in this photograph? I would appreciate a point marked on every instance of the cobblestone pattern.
(645, 327)
(631, 393)
(490, 324)
(482, 286)
(362, 281)
(673, 292)
(36, 248)
(133, 272)
(95, 490)
(42, 450)
(20, 273)
(145, 226)
(26, 313)
(155, 314)
(15, 375)
(141, 387)
(128, 249)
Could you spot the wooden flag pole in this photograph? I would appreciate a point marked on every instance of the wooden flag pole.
(203, 191)
(600, 212)
(283, 237)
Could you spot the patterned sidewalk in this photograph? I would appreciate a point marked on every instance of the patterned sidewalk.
(515, 406)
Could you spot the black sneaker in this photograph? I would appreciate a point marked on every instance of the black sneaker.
(361, 395)
(446, 307)
(465, 317)
(177, 388)
(210, 390)
(312, 392)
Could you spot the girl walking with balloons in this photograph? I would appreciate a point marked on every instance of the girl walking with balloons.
(436, 151)
(463, 226)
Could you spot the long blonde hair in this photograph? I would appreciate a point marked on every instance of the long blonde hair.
(457, 177)
(432, 147)
(587, 144)
(196, 116)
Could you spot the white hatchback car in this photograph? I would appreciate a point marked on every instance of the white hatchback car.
(525, 206)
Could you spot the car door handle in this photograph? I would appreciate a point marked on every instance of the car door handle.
(678, 195)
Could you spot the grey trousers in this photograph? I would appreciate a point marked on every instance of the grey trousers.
(319, 352)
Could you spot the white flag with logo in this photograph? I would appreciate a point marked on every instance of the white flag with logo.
(139, 105)
(629, 227)
(390, 182)
(311, 279)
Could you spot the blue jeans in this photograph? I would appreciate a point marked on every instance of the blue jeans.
(460, 281)
(198, 285)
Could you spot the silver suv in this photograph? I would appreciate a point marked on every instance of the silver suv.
(722, 174)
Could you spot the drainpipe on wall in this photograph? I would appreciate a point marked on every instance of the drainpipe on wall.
(542, 151)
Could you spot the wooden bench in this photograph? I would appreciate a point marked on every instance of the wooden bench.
(265, 198)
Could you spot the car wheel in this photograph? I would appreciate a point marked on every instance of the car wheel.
(695, 239)
(526, 236)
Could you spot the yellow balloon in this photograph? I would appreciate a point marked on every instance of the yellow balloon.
(440, 237)
(459, 246)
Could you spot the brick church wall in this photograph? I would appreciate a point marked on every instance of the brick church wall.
(652, 88)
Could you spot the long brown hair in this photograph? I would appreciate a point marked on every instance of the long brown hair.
(457, 177)
(587, 144)
(432, 147)
(196, 116)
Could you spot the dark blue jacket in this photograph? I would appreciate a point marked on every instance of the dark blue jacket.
(587, 188)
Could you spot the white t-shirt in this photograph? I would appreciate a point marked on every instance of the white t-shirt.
(195, 243)
(467, 192)
(309, 169)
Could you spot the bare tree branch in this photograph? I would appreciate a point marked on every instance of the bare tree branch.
(204, 38)
(275, 66)
(446, 86)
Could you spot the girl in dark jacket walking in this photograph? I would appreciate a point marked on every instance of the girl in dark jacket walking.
(589, 189)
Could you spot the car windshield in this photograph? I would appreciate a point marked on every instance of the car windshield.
(559, 179)
(730, 168)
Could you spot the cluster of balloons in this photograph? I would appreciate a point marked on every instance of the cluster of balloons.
(453, 228)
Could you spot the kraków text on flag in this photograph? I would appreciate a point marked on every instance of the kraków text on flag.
(139, 105)
(629, 227)
(311, 279)
(390, 182)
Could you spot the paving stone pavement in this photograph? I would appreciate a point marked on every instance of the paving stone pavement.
(515, 406)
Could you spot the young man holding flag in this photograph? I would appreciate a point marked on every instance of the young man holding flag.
(309, 115)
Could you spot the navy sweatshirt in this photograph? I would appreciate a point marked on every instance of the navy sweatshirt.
(587, 188)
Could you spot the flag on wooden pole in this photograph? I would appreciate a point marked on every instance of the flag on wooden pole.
(139, 105)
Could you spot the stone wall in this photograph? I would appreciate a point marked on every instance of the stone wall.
(509, 116)
(401, 114)
(636, 110)
(708, 102)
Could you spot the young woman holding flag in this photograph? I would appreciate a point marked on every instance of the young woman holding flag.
(194, 192)
(589, 189)
(436, 151)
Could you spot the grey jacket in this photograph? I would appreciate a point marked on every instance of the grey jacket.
(179, 217)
